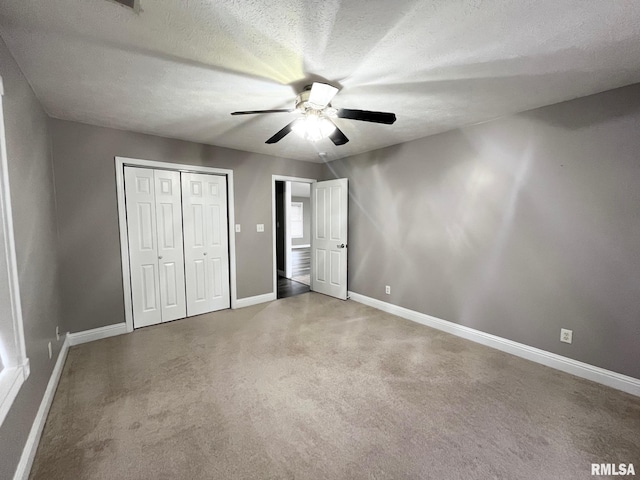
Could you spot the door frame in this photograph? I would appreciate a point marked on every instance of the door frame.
(274, 179)
(287, 230)
(120, 163)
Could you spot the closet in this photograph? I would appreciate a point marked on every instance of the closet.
(178, 244)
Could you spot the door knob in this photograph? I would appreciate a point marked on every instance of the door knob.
(342, 245)
(159, 257)
(204, 253)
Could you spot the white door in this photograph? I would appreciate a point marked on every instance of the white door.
(143, 248)
(329, 203)
(206, 244)
(170, 253)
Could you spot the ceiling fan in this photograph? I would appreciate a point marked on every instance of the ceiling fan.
(314, 103)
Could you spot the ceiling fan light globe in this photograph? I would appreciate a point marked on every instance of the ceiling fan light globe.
(300, 128)
(327, 127)
(313, 127)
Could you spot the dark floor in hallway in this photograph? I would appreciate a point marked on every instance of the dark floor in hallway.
(289, 288)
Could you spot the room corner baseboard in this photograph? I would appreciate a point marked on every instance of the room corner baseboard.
(96, 334)
(580, 369)
(31, 446)
(249, 301)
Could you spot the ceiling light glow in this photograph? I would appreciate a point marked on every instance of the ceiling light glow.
(313, 127)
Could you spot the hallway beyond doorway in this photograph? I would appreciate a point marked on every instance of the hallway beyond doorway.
(289, 288)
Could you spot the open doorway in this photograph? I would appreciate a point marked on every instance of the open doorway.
(292, 228)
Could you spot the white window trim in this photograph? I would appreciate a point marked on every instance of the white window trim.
(301, 205)
(14, 355)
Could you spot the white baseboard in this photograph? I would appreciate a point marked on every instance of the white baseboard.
(96, 334)
(249, 301)
(584, 370)
(31, 446)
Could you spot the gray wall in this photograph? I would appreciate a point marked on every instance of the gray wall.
(306, 212)
(88, 218)
(516, 227)
(34, 215)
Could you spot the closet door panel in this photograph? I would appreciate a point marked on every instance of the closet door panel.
(217, 240)
(216, 278)
(170, 251)
(199, 281)
(204, 202)
(195, 252)
(143, 248)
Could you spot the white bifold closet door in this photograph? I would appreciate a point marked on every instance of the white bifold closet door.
(206, 243)
(154, 223)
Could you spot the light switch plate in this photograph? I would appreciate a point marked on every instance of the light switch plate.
(260, 227)
(237, 228)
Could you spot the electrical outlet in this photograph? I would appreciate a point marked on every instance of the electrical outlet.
(237, 228)
(566, 336)
(57, 333)
(50, 352)
(387, 289)
(260, 227)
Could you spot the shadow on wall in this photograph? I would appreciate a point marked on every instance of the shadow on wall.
(457, 208)
(516, 227)
(610, 105)
(449, 215)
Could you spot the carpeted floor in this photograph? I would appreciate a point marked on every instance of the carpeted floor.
(310, 387)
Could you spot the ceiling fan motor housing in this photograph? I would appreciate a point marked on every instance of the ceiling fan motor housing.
(302, 100)
(303, 105)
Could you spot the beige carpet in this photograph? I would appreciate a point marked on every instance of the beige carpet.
(309, 387)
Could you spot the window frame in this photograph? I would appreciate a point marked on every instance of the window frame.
(301, 221)
(15, 364)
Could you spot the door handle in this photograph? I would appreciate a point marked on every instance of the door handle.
(204, 253)
(342, 245)
(159, 257)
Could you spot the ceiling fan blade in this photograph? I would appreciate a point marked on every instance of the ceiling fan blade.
(321, 94)
(251, 112)
(338, 138)
(367, 116)
(282, 133)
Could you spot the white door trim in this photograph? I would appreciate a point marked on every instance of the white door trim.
(122, 221)
(274, 179)
(287, 231)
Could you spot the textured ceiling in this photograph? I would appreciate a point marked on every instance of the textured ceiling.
(180, 67)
